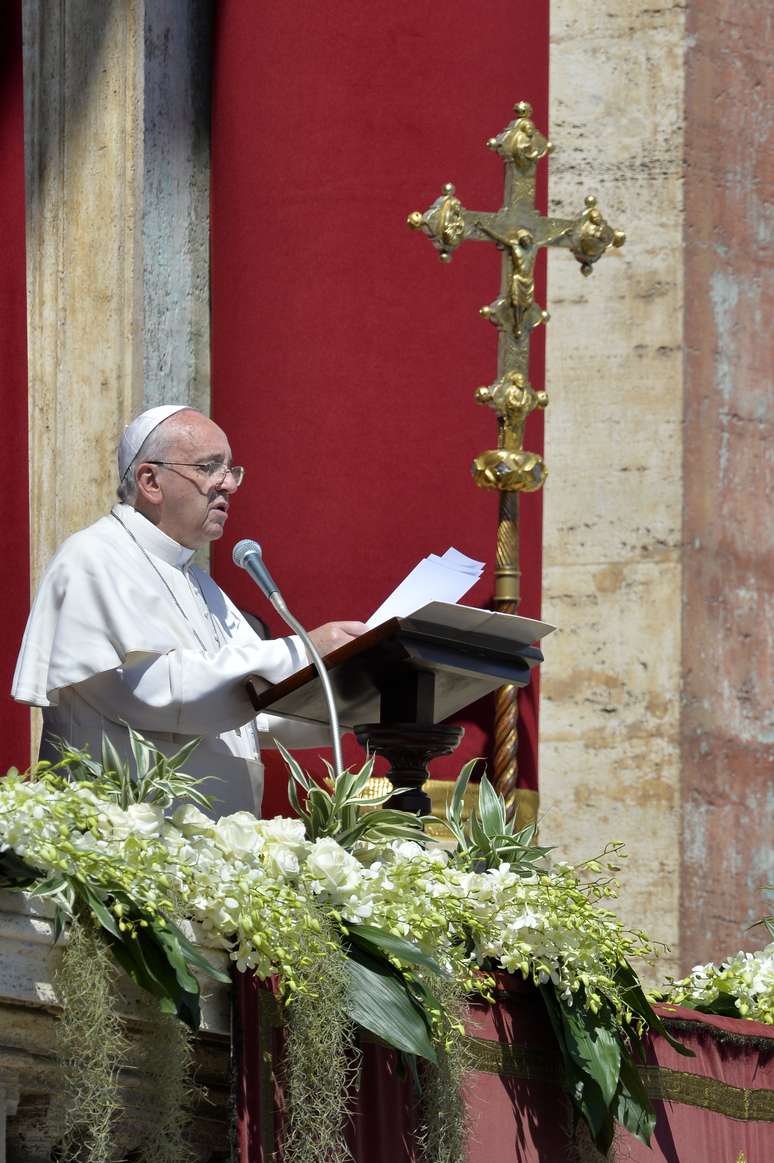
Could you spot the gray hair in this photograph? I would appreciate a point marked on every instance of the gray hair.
(154, 447)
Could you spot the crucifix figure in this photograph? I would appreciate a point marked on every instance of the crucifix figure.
(519, 231)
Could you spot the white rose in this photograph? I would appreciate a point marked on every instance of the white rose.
(239, 833)
(406, 849)
(332, 868)
(116, 818)
(145, 819)
(191, 821)
(284, 829)
(281, 860)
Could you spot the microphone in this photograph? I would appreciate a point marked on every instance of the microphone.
(247, 555)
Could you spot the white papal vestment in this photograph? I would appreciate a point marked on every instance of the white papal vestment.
(125, 629)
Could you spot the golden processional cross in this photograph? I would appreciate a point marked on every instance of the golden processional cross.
(518, 230)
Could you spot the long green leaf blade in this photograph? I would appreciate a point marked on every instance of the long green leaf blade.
(379, 1002)
(377, 941)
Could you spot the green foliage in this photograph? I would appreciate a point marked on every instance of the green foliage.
(166, 1065)
(320, 1060)
(379, 1001)
(155, 955)
(91, 1044)
(489, 838)
(157, 778)
(446, 1124)
(605, 1086)
(340, 814)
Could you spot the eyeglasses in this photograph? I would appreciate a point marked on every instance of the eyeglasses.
(213, 470)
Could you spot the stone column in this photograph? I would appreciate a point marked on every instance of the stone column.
(613, 502)
(658, 552)
(9, 1103)
(117, 158)
(117, 145)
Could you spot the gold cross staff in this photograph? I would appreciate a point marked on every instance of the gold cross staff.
(519, 231)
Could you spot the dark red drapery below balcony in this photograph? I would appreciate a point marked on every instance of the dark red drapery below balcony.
(715, 1107)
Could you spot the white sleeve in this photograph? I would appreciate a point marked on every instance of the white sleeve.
(191, 692)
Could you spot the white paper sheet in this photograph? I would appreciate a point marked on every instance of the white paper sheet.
(434, 579)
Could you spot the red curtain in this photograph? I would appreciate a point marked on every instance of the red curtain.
(345, 356)
(14, 528)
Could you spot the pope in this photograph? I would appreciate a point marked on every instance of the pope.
(125, 629)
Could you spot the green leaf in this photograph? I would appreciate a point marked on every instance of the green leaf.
(460, 787)
(631, 1107)
(479, 838)
(182, 756)
(111, 760)
(379, 1002)
(99, 909)
(723, 1006)
(585, 1092)
(165, 965)
(296, 806)
(377, 941)
(301, 778)
(318, 804)
(60, 918)
(141, 752)
(594, 1047)
(490, 808)
(171, 945)
(634, 997)
(196, 957)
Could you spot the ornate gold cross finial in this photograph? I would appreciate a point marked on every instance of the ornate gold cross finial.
(519, 231)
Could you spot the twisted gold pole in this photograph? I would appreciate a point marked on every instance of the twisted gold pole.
(506, 713)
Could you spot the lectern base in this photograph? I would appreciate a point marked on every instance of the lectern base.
(409, 747)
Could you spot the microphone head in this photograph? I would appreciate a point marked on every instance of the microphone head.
(242, 551)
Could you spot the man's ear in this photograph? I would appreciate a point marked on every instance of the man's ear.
(148, 486)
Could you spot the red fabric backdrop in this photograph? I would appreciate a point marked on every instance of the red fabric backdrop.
(14, 529)
(345, 355)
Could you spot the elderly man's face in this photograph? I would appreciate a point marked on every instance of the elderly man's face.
(192, 505)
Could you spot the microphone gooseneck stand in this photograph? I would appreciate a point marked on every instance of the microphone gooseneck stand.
(247, 554)
(278, 602)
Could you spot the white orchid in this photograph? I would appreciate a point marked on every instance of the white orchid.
(746, 980)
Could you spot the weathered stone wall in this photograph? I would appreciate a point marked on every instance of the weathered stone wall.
(728, 612)
(613, 502)
(657, 541)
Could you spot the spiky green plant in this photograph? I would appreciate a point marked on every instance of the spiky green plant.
(157, 778)
(488, 838)
(341, 813)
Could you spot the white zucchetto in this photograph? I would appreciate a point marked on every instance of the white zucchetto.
(136, 433)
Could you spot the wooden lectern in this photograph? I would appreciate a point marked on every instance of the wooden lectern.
(395, 685)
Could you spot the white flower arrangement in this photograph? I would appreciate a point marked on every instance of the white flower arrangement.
(742, 986)
(257, 885)
(349, 897)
